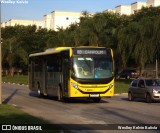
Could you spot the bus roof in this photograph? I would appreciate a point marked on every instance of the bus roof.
(50, 51)
(59, 49)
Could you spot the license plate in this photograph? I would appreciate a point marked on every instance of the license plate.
(94, 95)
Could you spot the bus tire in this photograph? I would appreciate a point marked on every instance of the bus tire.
(39, 91)
(97, 100)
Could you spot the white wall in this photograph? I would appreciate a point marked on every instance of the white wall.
(62, 19)
(153, 3)
(137, 6)
(123, 10)
(47, 21)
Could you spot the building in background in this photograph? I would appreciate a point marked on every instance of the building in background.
(137, 6)
(110, 11)
(130, 9)
(47, 21)
(53, 21)
(62, 19)
(153, 3)
(13, 22)
(123, 9)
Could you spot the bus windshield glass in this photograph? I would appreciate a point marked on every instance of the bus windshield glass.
(92, 67)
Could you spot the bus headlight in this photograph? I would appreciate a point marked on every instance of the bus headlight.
(110, 86)
(74, 85)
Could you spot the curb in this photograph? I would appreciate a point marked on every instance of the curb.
(15, 84)
(120, 94)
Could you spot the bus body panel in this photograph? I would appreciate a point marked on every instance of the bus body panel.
(84, 90)
(52, 83)
(52, 70)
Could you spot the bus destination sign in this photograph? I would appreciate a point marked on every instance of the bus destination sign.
(90, 52)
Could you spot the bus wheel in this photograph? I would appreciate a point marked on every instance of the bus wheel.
(97, 100)
(39, 92)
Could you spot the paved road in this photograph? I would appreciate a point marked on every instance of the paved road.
(116, 110)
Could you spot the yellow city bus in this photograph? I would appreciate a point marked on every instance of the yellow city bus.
(72, 72)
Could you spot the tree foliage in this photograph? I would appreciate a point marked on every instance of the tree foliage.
(135, 39)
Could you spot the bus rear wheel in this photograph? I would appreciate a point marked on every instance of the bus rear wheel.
(39, 94)
(96, 100)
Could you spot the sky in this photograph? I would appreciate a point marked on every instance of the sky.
(36, 9)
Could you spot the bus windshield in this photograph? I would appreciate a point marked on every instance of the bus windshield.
(92, 67)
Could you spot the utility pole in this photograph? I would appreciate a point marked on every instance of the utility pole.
(0, 59)
(156, 68)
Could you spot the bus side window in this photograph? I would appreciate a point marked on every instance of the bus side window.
(52, 64)
(37, 65)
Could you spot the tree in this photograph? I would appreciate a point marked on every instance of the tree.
(156, 37)
(134, 39)
(16, 46)
(13, 54)
(138, 38)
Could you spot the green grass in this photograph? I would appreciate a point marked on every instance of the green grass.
(121, 85)
(12, 115)
(20, 79)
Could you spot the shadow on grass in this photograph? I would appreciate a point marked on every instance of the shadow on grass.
(10, 97)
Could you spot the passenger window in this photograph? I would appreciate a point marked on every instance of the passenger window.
(141, 84)
(134, 83)
(52, 63)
